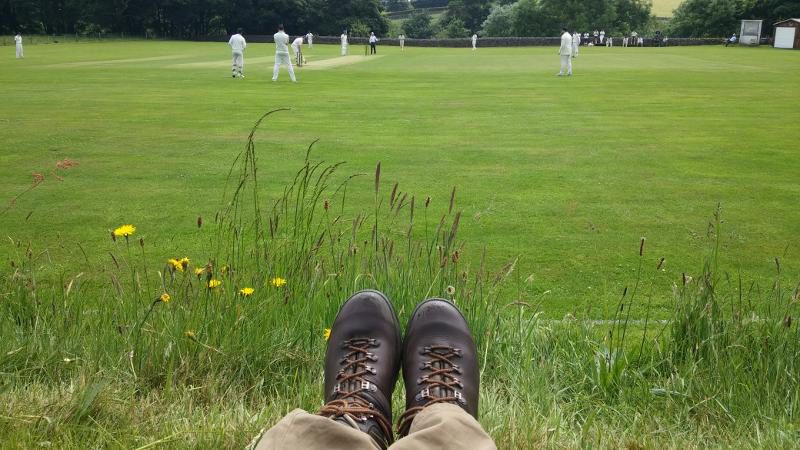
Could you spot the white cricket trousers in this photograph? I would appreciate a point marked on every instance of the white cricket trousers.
(238, 63)
(566, 63)
(282, 58)
(344, 50)
(19, 51)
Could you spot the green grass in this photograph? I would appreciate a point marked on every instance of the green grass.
(561, 177)
(565, 175)
(665, 8)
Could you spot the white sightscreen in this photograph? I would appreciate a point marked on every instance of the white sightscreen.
(784, 37)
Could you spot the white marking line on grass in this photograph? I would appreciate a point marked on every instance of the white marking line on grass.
(113, 61)
(339, 61)
(608, 321)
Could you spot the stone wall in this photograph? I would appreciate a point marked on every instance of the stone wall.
(486, 42)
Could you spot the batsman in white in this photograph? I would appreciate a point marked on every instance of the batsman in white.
(282, 54)
(343, 37)
(237, 45)
(18, 42)
(297, 48)
(565, 52)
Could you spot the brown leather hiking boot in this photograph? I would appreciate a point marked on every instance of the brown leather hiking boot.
(362, 364)
(440, 363)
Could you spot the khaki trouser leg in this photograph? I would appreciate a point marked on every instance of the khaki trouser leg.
(444, 427)
(301, 430)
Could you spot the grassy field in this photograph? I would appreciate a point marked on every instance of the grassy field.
(557, 180)
(564, 174)
(665, 8)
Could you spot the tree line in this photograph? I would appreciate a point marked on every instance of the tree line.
(195, 19)
(189, 18)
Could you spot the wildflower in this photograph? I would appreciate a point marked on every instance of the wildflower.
(246, 292)
(327, 333)
(199, 271)
(165, 298)
(190, 334)
(125, 231)
(451, 290)
(214, 283)
(176, 264)
(278, 282)
(184, 262)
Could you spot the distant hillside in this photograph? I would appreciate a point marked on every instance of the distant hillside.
(664, 8)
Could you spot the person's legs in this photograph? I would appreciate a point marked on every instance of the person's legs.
(444, 426)
(277, 67)
(440, 371)
(362, 362)
(569, 67)
(301, 430)
(564, 62)
(291, 69)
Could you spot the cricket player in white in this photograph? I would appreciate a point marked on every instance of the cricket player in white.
(565, 51)
(624, 41)
(474, 41)
(237, 45)
(282, 54)
(576, 42)
(297, 48)
(402, 38)
(343, 37)
(18, 42)
(310, 40)
(609, 41)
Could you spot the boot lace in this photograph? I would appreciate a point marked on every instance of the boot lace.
(348, 399)
(441, 385)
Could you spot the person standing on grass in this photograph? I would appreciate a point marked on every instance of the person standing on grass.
(402, 38)
(624, 41)
(297, 48)
(565, 52)
(576, 42)
(237, 45)
(474, 41)
(609, 41)
(373, 42)
(343, 38)
(282, 54)
(310, 40)
(18, 43)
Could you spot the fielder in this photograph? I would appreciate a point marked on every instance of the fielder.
(237, 45)
(402, 38)
(474, 41)
(18, 42)
(310, 40)
(297, 48)
(282, 54)
(624, 41)
(343, 37)
(565, 51)
(576, 42)
(609, 41)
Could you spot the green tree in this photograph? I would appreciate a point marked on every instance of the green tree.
(707, 18)
(418, 25)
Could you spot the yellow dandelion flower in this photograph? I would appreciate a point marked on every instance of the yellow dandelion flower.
(214, 283)
(190, 334)
(125, 231)
(165, 298)
(246, 292)
(175, 264)
(199, 271)
(278, 282)
(327, 333)
(184, 262)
